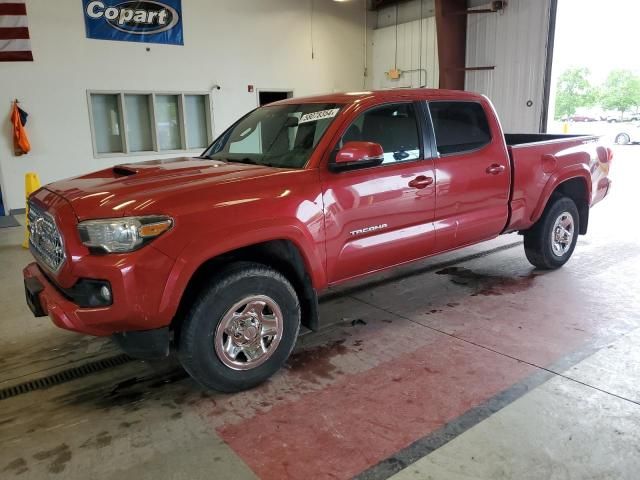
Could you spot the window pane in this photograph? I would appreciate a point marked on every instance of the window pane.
(249, 141)
(196, 121)
(107, 124)
(168, 119)
(276, 135)
(459, 126)
(138, 123)
(392, 126)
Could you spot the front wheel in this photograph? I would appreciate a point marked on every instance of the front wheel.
(241, 329)
(551, 241)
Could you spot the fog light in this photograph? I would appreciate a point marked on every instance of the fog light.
(105, 293)
(89, 293)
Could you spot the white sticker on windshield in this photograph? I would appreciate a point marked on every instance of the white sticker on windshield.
(322, 114)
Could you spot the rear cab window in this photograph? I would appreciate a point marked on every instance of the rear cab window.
(459, 127)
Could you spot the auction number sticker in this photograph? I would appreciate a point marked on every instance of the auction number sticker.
(321, 115)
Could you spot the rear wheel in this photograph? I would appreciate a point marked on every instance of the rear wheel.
(241, 329)
(550, 243)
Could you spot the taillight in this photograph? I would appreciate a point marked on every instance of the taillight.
(605, 154)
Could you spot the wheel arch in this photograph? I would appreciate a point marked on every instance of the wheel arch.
(576, 190)
(574, 186)
(282, 255)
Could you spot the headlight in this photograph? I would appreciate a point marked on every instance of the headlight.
(122, 234)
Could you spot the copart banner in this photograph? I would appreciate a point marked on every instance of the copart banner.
(149, 21)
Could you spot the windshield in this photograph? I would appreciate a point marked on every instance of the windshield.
(277, 136)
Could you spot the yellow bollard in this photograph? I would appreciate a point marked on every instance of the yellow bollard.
(31, 184)
(565, 127)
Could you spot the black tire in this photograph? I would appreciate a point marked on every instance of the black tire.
(538, 240)
(234, 283)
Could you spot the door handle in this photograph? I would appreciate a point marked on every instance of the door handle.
(421, 182)
(495, 169)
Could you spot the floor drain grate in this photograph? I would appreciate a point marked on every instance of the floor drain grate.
(64, 376)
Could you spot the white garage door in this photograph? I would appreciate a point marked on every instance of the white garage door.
(515, 42)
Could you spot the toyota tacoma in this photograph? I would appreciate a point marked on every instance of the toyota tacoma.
(221, 257)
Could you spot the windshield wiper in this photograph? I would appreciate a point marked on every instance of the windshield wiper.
(250, 161)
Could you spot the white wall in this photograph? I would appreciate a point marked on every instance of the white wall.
(515, 42)
(234, 43)
(383, 47)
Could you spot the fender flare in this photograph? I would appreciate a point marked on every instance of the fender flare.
(199, 251)
(555, 180)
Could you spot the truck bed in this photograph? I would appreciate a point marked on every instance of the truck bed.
(551, 159)
(514, 139)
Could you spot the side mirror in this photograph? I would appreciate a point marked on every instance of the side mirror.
(358, 155)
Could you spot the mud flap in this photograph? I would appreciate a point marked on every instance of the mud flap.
(145, 345)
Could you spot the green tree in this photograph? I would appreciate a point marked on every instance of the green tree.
(573, 91)
(621, 91)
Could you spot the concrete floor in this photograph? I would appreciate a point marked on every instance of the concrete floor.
(469, 365)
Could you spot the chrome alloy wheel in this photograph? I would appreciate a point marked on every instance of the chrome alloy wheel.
(562, 234)
(249, 333)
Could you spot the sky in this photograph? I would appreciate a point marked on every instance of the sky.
(600, 34)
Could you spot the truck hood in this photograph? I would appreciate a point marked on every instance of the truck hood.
(130, 187)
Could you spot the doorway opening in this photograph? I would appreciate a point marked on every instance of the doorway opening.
(594, 80)
(269, 96)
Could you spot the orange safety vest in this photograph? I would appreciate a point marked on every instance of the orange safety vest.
(21, 143)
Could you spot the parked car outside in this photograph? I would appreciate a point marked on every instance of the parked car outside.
(630, 134)
(626, 117)
(582, 118)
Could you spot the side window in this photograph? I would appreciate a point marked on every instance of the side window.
(393, 126)
(459, 126)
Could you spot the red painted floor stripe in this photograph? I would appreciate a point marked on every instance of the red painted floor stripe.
(363, 418)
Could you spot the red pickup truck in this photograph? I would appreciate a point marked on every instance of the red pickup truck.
(221, 257)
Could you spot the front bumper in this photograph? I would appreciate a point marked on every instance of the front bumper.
(44, 299)
(137, 282)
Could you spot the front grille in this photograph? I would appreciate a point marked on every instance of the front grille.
(45, 239)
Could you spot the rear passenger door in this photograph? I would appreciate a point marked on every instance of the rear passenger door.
(472, 174)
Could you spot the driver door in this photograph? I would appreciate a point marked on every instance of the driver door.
(381, 216)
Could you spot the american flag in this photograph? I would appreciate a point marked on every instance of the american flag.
(15, 45)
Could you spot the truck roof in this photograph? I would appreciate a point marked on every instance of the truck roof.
(377, 95)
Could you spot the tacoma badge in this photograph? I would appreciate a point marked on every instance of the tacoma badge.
(361, 231)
